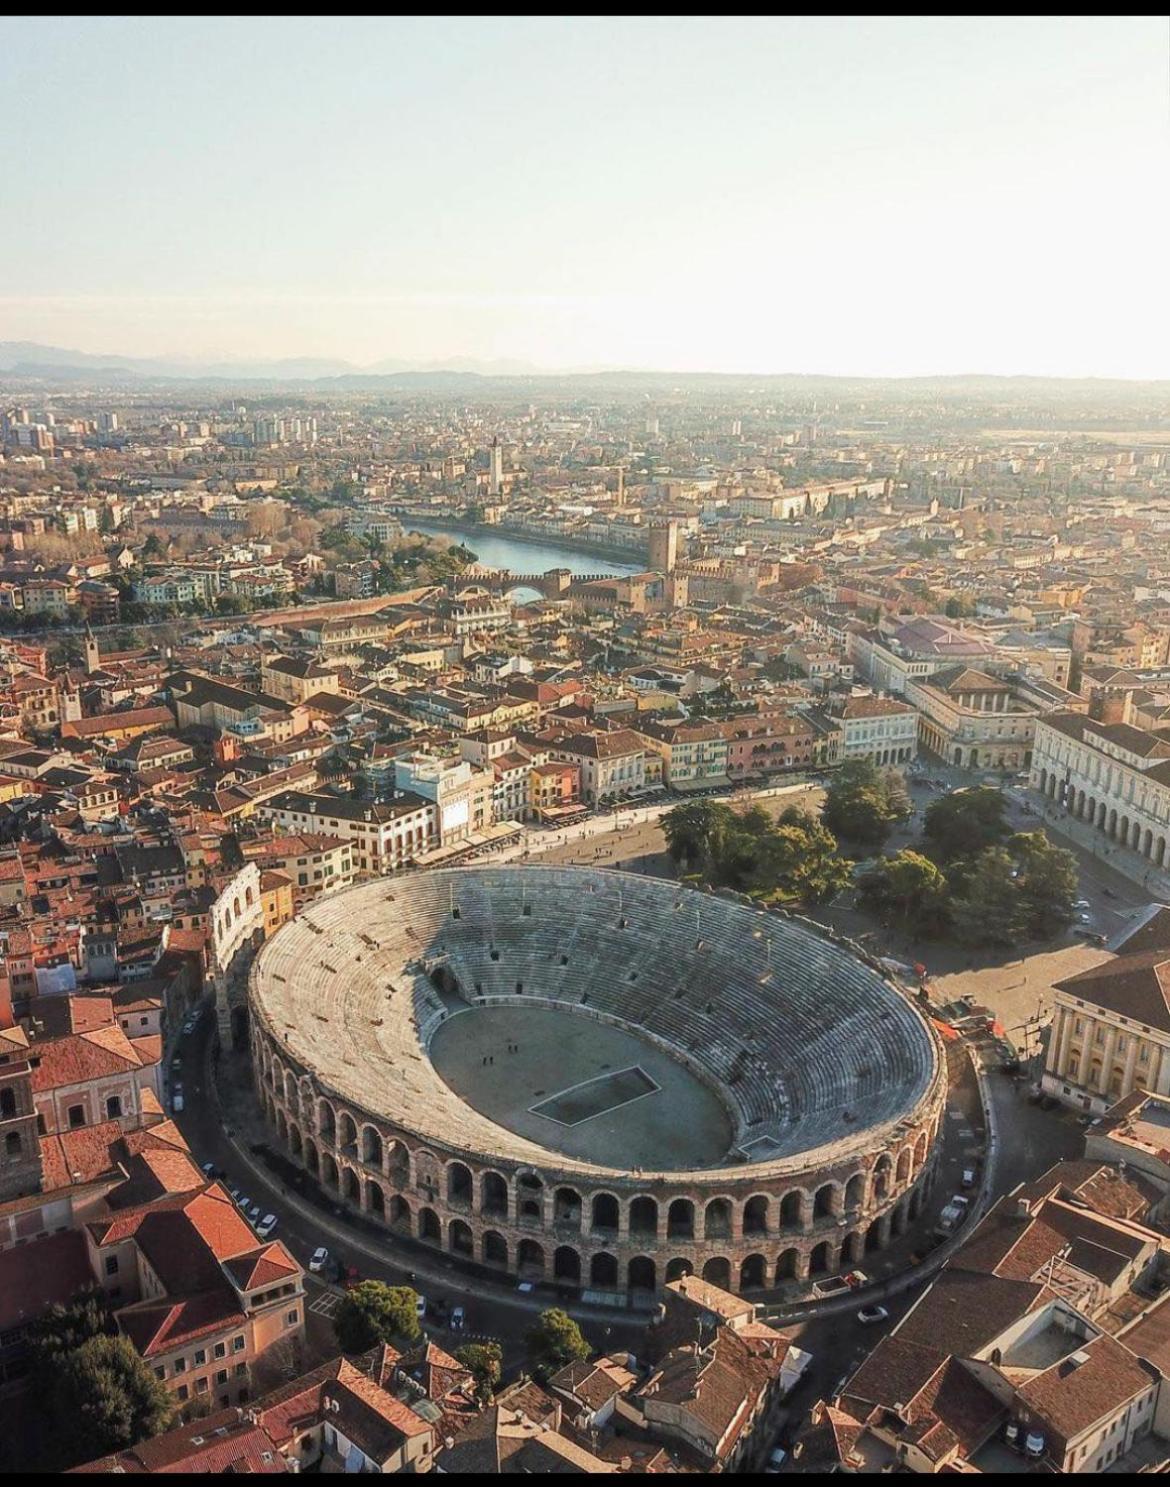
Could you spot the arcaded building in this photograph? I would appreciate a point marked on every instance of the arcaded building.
(595, 1078)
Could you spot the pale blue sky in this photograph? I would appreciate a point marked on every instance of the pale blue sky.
(856, 196)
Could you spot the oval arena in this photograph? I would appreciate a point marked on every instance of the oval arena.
(595, 1078)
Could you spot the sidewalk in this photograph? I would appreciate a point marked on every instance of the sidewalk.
(1131, 864)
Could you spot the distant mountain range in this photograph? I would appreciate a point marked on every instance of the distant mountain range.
(26, 361)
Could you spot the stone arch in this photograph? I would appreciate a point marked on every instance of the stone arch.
(680, 1219)
(346, 1132)
(873, 1236)
(375, 1198)
(641, 1274)
(603, 1271)
(430, 1230)
(494, 1248)
(717, 1219)
(855, 1191)
(902, 1175)
(853, 1248)
(249, 898)
(326, 1121)
(920, 1150)
(459, 1238)
(530, 1259)
(788, 1265)
(820, 1259)
(900, 1216)
(290, 1091)
(882, 1170)
(567, 1210)
(643, 1217)
(281, 1123)
(792, 1210)
(529, 1197)
(494, 1195)
(824, 1201)
(567, 1264)
(604, 1214)
(755, 1215)
(717, 1272)
(312, 1161)
(753, 1273)
(401, 1217)
(459, 1185)
(677, 1268)
(330, 1173)
(371, 1146)
(295, 1145)
(351, 1187)
(397, 1162)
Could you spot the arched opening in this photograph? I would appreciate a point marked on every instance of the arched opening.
(13, 1145)
(853, 1249)
(530, 1260)
(873, 1237)
(855, 1191)
(326, 1121)
(347, 1134)
(717, 1219)
(920, 1147)
(530, 1198)
(680, 1219)
(330, 1173)
(677, 1268)
(603, 1272)
(604, 1214)
(755, 1215)
(375, 1200)
(459, 1239)
(371, 1147)
(495, 1248)
(567, 1265)
(644, 1217)
(281, 1126)
(294, 1143)
(903, 1170)
(351, 1187)
(444, 981)
(898, 1222)
(114, 1107)
(641, 1274)
(430, 1230)
(787, 1266)
(753, 1273)
(818, 1261)
(823, 1202)
(495, 1195)
(717, 1272)
(398, 1164)
(567, 1209)
(881, 1178)
(311, 1161)
(792, 1210)
(459, 1184)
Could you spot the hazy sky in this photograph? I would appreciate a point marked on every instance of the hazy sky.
(856, 196)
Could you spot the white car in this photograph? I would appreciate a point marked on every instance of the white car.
(177, 1102)
(1082, 903)
(265, 1228)
(318, 1260)
(458, 1319)
(868, 1315)
(420, 1307)
(254, 1213)
(208, 1169)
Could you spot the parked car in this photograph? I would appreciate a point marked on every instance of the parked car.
(189, 1027)
(1082, 903)
(526, 1287)
(420, 1307)
(776, 1459)
(235, 1195)
(868, 1315)
(968, 1178)
(177, 1102)
(458, 1319)
(855, 1279)
(318, 1260)
(254, 1214)
(208, 1169)
(176, 1064)
(267, 1227)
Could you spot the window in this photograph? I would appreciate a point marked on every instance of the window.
(200, 1358)
(76, 1116)
(238, 1344)
(114, 1108)
(111, 1264)
(292, 1319)
(180, 1365)
(13, 1146)
(221, 1376)
(200, 1386)
(160, 1372)
(241, 1370)
(184, 1392)
(220, 1350)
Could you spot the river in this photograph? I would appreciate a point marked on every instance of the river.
(520, 557)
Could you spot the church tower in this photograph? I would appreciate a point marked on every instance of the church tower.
(93, 660)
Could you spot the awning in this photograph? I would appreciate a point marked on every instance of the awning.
(948, 1032)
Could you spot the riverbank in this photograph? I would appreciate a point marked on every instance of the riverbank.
(613, 559)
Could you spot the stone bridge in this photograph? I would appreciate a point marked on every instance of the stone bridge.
(554, 584)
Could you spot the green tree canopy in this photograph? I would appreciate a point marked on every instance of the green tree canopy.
(910, 889)
(63, 1329)
(694, 831)
(1046, 884)
(374, 1312)
(485, 1360)
(965, 822)
(104, 1398)
(862, 803)
(554, 1341)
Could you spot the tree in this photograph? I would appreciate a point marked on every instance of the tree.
(64, 1328)
(695, 830)
(987, 909)
(104, 1398)
(485, 1361)
(374, 1312)
(152, 547)
(862, 804)
(911, 889)
(1046, 884)
(964, 823)
(554, 1341)
(799, 859)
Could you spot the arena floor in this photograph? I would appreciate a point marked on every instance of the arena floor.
(581, 1087)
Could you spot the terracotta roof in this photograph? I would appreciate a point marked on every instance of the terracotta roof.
(34, 1277)
(1134, 986)
(223, 1443)
(1070, 1398)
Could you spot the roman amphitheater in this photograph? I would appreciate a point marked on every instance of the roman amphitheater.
(595, 1078)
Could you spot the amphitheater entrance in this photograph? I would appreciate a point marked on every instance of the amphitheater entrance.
(818, 1261)
(495, 1248)
(642, 1275)
(459, 1239)
(677, 1269)
(530, 1260)
(567, 1265)
(603, 1272)
(753, 1273)
(718, 1273)
(430, 1230)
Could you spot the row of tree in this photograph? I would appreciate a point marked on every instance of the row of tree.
(792, 858)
